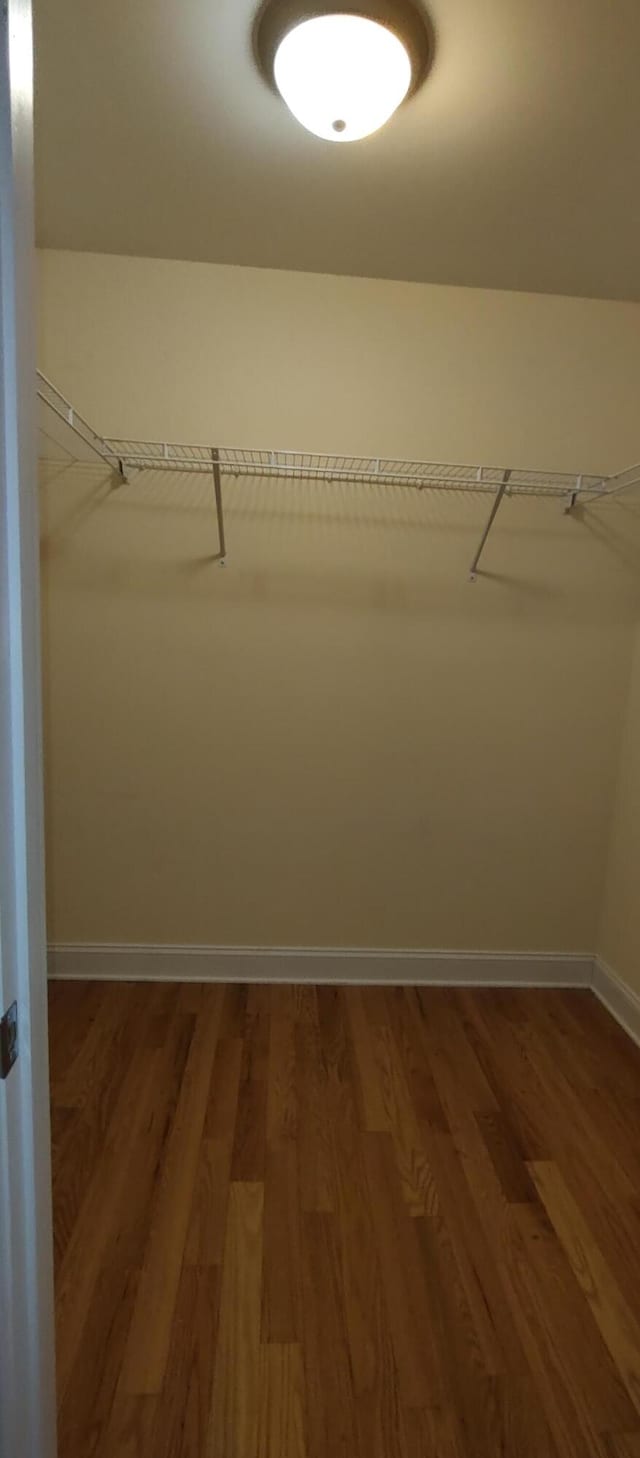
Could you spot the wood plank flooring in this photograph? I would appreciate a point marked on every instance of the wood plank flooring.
(344, 1223)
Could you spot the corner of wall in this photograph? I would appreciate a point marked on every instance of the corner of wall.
(618, 936)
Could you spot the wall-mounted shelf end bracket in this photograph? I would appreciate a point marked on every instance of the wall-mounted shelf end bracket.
(572, 498)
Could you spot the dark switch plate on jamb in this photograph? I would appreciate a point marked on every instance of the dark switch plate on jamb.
(8, 1040)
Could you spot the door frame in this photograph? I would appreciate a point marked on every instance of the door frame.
(27, 1364)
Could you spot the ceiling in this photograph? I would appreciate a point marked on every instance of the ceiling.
(515, 167)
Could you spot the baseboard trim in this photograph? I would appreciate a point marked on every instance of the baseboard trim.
(102, 961)
(619, 999)
(317, 964)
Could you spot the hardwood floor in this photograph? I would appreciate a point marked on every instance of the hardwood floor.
(344, 1223)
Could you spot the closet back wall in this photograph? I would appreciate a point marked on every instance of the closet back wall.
(335, 740)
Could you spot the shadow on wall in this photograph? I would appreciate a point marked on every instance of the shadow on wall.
(616, 525)
(63, 514)
(336, 545)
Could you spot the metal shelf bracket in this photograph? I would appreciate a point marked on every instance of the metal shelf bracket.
(217, 486)
(473, 570)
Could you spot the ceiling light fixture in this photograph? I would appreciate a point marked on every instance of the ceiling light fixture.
(343, 70)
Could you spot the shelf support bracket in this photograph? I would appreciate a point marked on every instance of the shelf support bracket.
(573, 496)
(473, 571)
(217, 486)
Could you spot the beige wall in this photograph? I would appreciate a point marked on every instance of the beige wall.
(189, 351)
(336, 740)
(619, 935)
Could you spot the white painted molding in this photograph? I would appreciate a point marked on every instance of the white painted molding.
(145, 962)
(318, 964)
(618, 998)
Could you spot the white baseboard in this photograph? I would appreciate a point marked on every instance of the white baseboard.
(103, 961)
(618, 998)
(317, 964)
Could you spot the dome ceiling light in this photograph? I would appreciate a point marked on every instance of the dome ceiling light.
(343, 70)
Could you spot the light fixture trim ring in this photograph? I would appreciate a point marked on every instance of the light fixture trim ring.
(404, 18)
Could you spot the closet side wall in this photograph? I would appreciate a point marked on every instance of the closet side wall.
(619, 938)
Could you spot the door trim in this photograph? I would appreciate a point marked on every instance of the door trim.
(27, 1385)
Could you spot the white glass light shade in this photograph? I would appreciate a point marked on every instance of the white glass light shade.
(342, 76)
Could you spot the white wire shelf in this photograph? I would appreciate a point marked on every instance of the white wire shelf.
(128, 456)
(74, 424)
(372, 470)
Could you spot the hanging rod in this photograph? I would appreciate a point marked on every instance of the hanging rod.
(127, 456)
